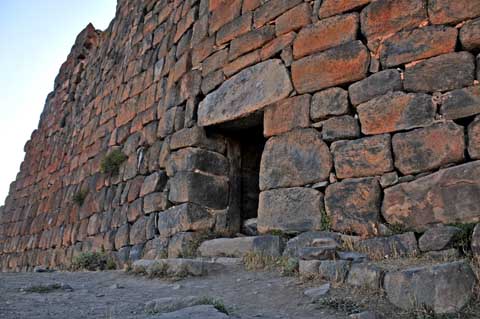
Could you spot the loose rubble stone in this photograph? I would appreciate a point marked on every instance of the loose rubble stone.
(326, 34)
(170, 304)
(362, 157)
(295, 158)
(364, 315)
(339, 128)
(387, 247)
(290, 209)
(353, 205)
(443, 255)
(417, 44)
(307, 239)
(286, 115)
(389, 179)
(332, 7)
(396, 111)
(196, 312)
(240, 246)
(375, 85)
(333, 101)
(382, 18)
(437, 238)
(319, 253)
(308, 267)
(249, 227)
(366, 276)
(461, 103)
(445, 11)
(428, 148)
(352, 256)
(448, 196)
(318, 292)
(470, 35)
(474, 139)
(182, 218)
(444, 288)
(334, 271)
(245, 93)
(442, 73)
(343, 64)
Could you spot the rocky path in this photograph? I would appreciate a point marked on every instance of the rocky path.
(115, 294)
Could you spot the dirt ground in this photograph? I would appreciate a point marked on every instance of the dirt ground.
(245, 295)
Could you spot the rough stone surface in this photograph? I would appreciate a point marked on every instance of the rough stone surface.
(340, 128)
(290, 209)
(396, 111)
(448, 196)
(353, 205)
(437, 238)
(307, 239)
(375, 85)
(474, 139)
(417, 44)
(476, 240)
(182, 218)
(332, 7)
(335, 271)
(239, 247)
(366, 276)
(295, 158)
(325, 34)
(317, 292)
(428, 148)
(195, 312)
(285, 115)
(363, 157)
(461, 103)
(442, 73)
(470, 35)
(403, 245)
(245, 93)
(445, 11)
(343, 64)
(444, 288)
(333, 101)
(191, 159)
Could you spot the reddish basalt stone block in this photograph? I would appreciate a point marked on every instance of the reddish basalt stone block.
(333, 7)
(250, 5)
(375, 85)
(241, 63)
(293, 19)
(446, 11)
(428, 148)
(381, 19)
(408, 46)
(277, 45)
(448, 196)
(234, 29)
(325, 34)
(250, 41)
(285, 115)
(474, 139)
(340, 128)
(185, 23)
(396, 111)
(343, 64)
(223, 12)
(470, 35)
(296, 158)
(461, 103)
(202, 50)
(271, 10)
(353, 206)
(333, 101)
(367, 156)
(442, 73)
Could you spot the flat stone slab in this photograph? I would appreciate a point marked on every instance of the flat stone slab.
(444, 288)
(448, 196)
(239, 247)
(175, 267)
(247, 92)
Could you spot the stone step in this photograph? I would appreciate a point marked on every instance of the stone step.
(176, 267)
(240, 246)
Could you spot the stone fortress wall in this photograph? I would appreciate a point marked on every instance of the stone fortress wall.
(355, 115)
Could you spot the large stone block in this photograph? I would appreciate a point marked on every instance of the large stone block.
(446, 11)
(239, 247)
(396, 111)
(428, 148)
(293, 19)
(418, 44)
(353, 205)
(285, 115)
(196, 136)
(199, 188)
(340, 128)
(474, 139)
(363, 157)
(326, 34)
(225, 12)
(138, 233)
(250, 41)
(333, 7)
(329, 102)
(290, 209)
(442, 73)
(444, 288)
(295, 158)
(192, 159)
(382, 18)
(470, 35)
(272, 9)
(246, 92)
(448, 196)
(343, 64)
(375, 85)
(461, 103)
(402, 245)
(183, 218)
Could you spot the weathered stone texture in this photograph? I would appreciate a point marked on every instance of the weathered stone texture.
(461, 103)
(375, 85)
(474, 139)
(470, 35)
(295, 158)
(333, 101)
(448, 196)
(333, 7)
(286, 115)
(245, 93)
(340, 128)
(445, 11)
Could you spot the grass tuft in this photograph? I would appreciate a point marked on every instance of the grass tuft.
(111, 163)
(93, 261)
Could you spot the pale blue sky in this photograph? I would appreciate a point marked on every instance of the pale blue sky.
(35, 39)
